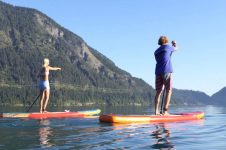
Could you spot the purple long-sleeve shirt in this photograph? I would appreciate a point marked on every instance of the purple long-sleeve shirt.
(163, 59)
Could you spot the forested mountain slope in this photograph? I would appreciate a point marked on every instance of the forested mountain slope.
(87, 77)
(27, 36)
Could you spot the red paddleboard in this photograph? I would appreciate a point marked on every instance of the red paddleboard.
(51, 114)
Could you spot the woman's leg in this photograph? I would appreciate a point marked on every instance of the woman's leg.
(41, 100)
(47, 93)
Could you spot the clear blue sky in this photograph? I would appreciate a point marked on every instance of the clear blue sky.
(126, 31)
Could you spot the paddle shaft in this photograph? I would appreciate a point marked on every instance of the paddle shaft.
(33, 103)
(162, 103)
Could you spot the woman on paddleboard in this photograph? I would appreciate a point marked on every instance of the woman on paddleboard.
(163, 73)
(44, 84)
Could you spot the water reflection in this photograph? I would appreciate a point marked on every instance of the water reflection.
(162, 135)
(45, 132)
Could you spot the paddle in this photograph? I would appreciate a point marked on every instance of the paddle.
(162, 103)
(33, 103)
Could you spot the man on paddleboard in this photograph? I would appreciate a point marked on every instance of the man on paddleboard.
(44, 84)
(163, 73)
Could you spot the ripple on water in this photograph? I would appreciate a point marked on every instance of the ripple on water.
(78, 133)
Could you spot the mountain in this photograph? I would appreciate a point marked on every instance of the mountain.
(190, 97)
(219, 98)
(27, 36)
(87, 77)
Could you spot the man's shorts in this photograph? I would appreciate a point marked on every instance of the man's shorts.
(166, 80)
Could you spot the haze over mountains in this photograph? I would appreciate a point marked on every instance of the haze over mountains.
(88, 77)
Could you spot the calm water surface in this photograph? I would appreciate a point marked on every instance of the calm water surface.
(88, 133)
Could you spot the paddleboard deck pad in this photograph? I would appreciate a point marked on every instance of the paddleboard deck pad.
(111, 118)
(67, 114)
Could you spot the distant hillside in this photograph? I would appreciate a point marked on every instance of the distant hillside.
(219, 98)
(87, 77)
(190, 97)
(27, 36)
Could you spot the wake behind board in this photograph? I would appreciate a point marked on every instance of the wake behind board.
(51, 114)
(111, 118)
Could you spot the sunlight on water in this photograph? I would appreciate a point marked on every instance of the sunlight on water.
(88, 133)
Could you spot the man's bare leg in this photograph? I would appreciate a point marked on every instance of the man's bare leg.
(167, 102)
(157, 100)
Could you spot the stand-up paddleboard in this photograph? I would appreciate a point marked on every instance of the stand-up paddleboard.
(67, 114)
(111, 118)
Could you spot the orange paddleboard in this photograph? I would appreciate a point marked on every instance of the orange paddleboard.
(111, 118)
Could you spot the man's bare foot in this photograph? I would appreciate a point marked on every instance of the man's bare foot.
(158, 113)
(166, 113)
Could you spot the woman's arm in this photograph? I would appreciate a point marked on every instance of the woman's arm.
(54, 68)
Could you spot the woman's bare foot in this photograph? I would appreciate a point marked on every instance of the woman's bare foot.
(41, 110)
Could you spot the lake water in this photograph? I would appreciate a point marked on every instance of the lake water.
(88, 133)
